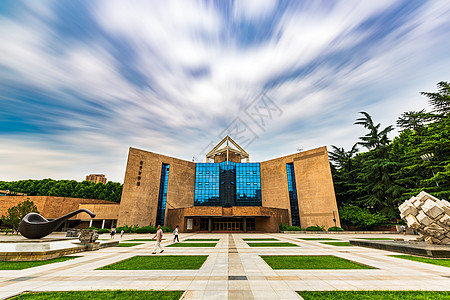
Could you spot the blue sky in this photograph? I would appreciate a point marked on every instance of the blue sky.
(82, 81)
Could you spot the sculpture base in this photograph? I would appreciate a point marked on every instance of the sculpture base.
(407, 247)
(44, 250)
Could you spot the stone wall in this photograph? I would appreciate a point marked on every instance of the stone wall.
(314, 183)
(54, 207)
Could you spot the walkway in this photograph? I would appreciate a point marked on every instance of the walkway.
(233, 270)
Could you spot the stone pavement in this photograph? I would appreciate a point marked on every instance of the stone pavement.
(233, 270)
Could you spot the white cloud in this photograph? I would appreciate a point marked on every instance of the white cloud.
(178, 113)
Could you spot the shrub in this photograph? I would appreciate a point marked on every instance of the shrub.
(283, 227)
(92, 227)
(315, 228)
(360, 217)
(166, 228)
(146, 229)
(125, 229)
(103, 230)
(335, 228)
(293, 228)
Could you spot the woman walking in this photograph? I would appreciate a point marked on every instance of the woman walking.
(175, 235)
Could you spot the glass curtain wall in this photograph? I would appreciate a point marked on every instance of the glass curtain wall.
(162, 195)
(232, 184)
(293, 194)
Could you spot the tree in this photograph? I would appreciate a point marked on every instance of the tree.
(413, 120)
(440, 101)
(16, 213)
(341, 158)
(375, 138)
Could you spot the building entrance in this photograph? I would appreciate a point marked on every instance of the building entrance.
(227, 224)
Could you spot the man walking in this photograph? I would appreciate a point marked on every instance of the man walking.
(158, 235)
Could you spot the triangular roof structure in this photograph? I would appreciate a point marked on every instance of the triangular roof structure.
(226, 141)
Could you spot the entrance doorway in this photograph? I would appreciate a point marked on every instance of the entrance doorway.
(228, 224)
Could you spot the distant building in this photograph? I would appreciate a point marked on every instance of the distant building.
(96, 178)
(10, 193)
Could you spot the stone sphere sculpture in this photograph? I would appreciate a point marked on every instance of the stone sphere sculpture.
(429, 216)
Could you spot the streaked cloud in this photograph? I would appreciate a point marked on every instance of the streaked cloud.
(81, 81)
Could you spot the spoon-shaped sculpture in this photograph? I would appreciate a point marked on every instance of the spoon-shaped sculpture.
(35, 226)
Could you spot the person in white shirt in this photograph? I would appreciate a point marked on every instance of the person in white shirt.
(175, 235)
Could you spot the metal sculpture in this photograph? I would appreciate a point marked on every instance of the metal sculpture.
(35, 226)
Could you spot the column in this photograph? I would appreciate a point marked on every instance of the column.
(90, 223)
(209, 224)
(245, 224)
(103, 223)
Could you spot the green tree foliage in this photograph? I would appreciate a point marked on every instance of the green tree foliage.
(111, 191)
(390, 172)
(16, 213)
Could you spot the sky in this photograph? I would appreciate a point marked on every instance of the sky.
(82, 81)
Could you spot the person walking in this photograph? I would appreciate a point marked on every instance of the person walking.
(403, 227)
(121, 233)
(113, 232)
(175, 235)
(158, 235)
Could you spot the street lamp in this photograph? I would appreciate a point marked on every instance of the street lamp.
(428, 157)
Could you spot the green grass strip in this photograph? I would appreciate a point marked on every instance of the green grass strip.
(20, 265)
(281, 244)
(101, 295)
(374, 295)
(319, 239)
(268, 239)
(159, 262)
(202, 240)
(192, 245)
(344, 244)
(306, 262)
(376, 239)
(141, 240)
(128, 244)
(445, 262)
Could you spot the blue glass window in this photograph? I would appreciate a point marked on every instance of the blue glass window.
(162, 195)
(232, 184)
(293, 194)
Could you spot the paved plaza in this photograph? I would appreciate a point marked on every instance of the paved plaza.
(233, 270)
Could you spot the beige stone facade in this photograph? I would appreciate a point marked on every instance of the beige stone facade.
(315, 193)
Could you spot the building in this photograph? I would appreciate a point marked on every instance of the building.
(227, 194)
(96, 178)
(50, 207)
(9, 193)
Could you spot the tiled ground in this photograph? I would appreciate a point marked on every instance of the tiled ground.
(233, 270)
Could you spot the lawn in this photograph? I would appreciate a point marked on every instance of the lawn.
(376, 239)
(281, 244)
(375, 295)
(159, 262)
(346, 244)
(254, 240)
(310, 262)
(128, 244)
(192, 245)
(445, 262)
(141, 240)
(319, 239)
(20, 265)
(101, 295)
(202, 240)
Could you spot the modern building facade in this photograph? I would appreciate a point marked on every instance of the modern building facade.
(228, 192)
(96, 178)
